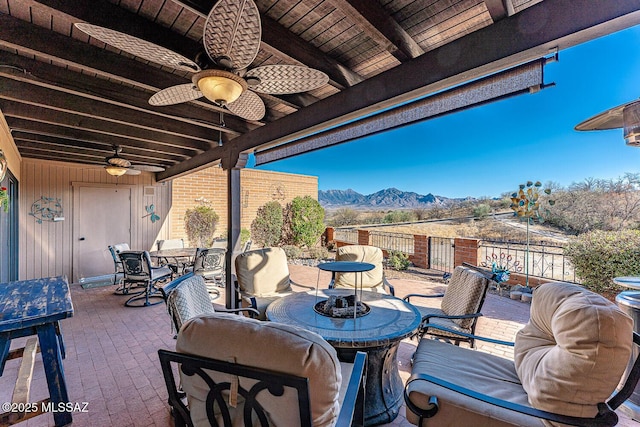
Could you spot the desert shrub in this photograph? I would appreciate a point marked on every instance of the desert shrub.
(398, 260)
(266, 228)
(481, 211)
(398, 216)
(318, 252)
(200, 225)
(244, 235)
(306, 218)
(344, 216)
(599, 256)
(292, 252)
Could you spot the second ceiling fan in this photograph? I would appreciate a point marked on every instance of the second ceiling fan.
(231, 40)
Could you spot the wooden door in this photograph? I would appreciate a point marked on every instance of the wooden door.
(102, 217)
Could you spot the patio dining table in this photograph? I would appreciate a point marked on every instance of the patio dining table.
(181, 256)
(378, 333)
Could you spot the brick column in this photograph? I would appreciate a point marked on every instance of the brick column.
(363, 237)
(420, 257)
(466, 250)
(328, 235)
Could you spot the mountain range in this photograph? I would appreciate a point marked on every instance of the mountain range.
(387, 198)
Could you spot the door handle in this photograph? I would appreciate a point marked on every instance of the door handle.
(81, 239)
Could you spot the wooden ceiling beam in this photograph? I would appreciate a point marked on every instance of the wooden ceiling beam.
(498, 9)
(99, 151)
(376, 22)
(73, 120)
(61, 132)
(279, 41)
(535, 32)
(49, 98)
(53, 77)
(31, 39)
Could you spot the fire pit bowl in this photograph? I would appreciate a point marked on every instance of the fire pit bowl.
(341, 307)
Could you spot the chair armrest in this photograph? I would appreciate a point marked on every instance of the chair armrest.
(302, 286)
(605, 417)
(251, 310)
(354, 396)
(386, 283)
(409, 296)
(475, 337)
(446, 316)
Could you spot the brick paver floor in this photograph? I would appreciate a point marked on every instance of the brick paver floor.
(112, 360)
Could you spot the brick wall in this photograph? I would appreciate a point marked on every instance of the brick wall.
(466, 250)
(257, 188)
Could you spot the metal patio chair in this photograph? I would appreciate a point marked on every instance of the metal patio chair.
(373, 280)
(460, 307)
(138, 271)
(576, 350)
(250, 381)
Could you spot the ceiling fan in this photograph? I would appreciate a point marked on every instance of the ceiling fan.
(231, 40)
(118, 166)
(626, 116)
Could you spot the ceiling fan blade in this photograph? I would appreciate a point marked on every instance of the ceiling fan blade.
(233, 30)
(138, 47)
(132, 172)
(148, 168)
(175, 95)
(249, 106)
(283, 79)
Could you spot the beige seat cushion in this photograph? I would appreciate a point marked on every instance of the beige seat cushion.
(464, 294)
(574, 350)
(263, 272)
(370, 280)
(267, 345)
(482, 372)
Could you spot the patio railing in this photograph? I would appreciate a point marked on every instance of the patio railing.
(546, 261)
(346, 235)
(441, 253)
(392, 241)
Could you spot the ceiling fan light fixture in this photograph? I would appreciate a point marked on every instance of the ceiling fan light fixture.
(221, 87)
(631, 120)
(115, 170)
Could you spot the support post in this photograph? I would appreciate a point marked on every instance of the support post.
(233, 164)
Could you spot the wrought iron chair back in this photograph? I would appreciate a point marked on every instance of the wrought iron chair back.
(138, 271)
(209, 263)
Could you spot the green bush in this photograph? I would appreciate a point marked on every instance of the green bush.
(306, 218)
(481, 211)
(318, 252)
(200, 225)
(398, 260)
(599, 256)
(398, 216)
(292, 252)
(266, 228)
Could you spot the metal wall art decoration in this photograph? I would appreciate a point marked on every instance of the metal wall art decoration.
(151, 213)
(47, 209)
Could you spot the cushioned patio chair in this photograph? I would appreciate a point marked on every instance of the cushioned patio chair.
(263, 277)
(209, 263)
(372, 280)
(118, 274)
(265, 374)
(138, 271)
(460, 307)
(187, 297)
(568, 361)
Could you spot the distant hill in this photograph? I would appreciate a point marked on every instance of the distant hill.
(389, 198)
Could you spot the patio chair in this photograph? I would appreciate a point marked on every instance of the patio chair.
(568, 361)
(209, 263)
(373, 280)
(250, 381)
(118, 274)
(460, 307)
(187, 297)
(139, 272)
(262, 277)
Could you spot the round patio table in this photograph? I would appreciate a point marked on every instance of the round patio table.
(378, 333)
(181, 256)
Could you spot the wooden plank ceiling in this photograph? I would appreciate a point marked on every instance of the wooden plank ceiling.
(69, 97)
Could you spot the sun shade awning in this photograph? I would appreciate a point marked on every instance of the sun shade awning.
(525, 78)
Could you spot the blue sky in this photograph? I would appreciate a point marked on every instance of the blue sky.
(489, 150)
